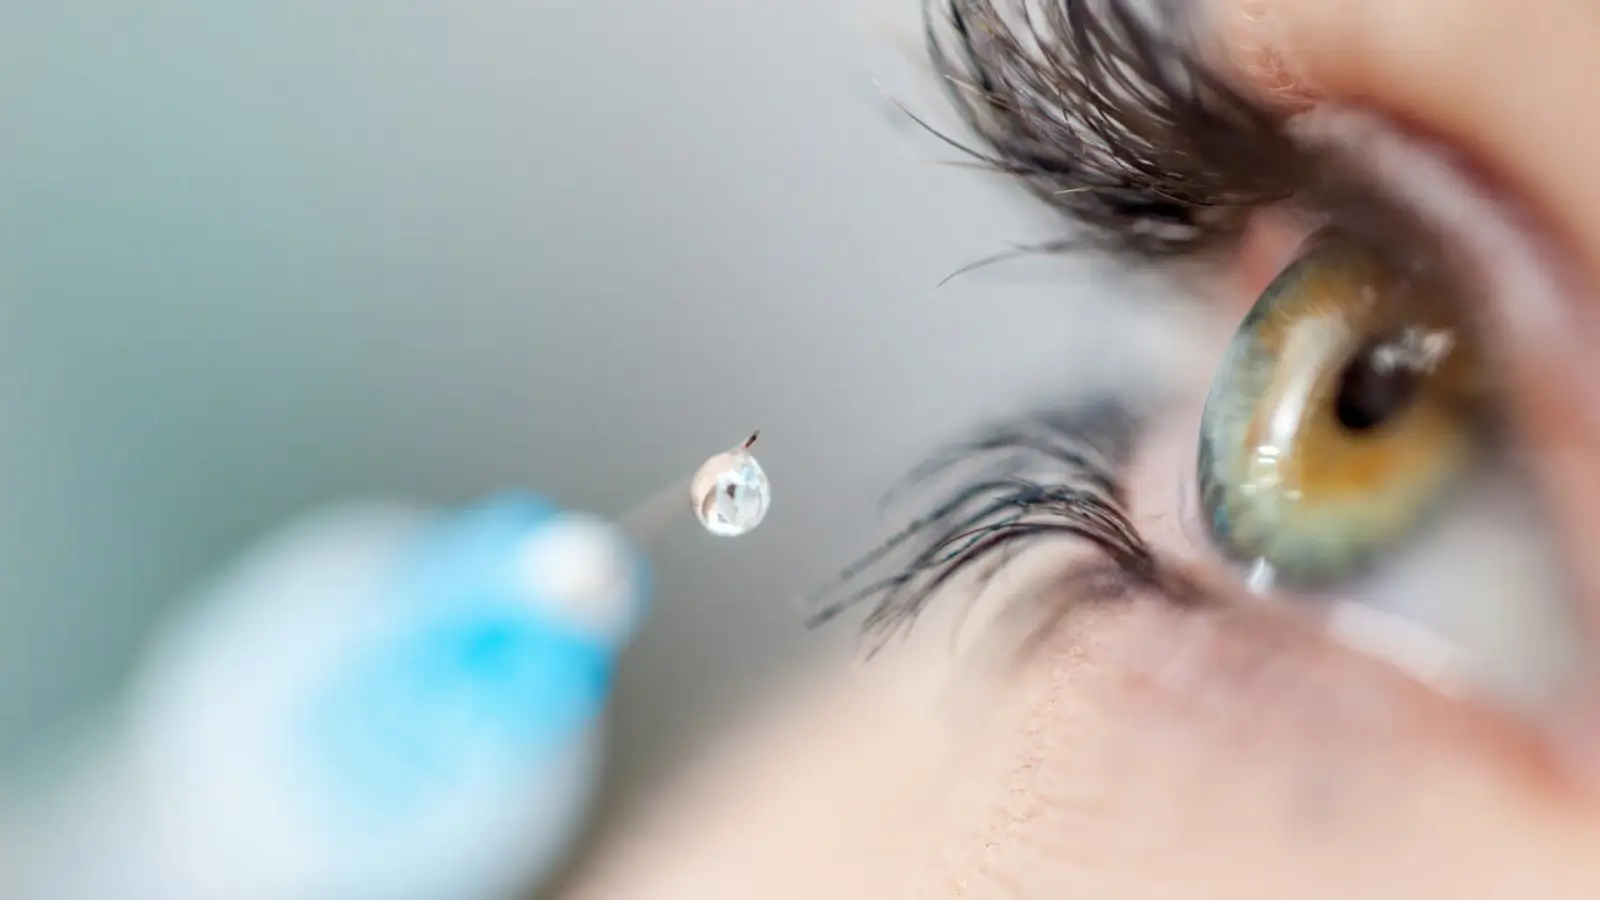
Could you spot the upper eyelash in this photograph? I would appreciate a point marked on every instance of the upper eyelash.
(1046, 475)
(1111, 118)
(1111, 121)
(1108, 115)
(1114, 119)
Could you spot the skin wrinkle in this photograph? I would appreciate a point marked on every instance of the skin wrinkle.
(1254, 658)
(990, 819)
(1204, 673)
(1140, 732)
(1331, 735)
(1262, 624)
(1266, 69)
(1047, 760)
(1426, 63)
(1004, 818)
(1147, 751)
(1249, 43)
(1016, 808)
(1090, 812)
(1044, 749)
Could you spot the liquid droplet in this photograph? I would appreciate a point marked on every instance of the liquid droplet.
(730, 493)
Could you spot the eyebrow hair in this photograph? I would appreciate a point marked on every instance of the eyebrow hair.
(1106, 111)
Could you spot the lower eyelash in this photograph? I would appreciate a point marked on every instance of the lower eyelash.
(1044, 476)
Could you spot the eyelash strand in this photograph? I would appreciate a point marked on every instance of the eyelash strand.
(1109, 116)
(1050, 475)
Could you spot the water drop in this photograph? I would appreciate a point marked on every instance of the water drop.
(730, 493)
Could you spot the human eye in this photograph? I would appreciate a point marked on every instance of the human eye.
(1352, 452)
(1346, 409)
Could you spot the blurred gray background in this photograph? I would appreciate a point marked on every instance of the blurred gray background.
(258, 257)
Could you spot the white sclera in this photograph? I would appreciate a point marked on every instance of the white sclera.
(730, 494)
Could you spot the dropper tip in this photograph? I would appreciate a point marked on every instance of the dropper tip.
(751, 440)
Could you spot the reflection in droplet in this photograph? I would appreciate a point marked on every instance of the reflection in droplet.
(730, 493)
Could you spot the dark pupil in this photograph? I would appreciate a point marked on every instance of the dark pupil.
(1369, 394)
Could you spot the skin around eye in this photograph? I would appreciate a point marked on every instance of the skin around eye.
(1149, 752)
(1345, 409)
(1144, 752)
(1505, 88)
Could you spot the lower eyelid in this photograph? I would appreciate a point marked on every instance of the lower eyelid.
(1234, 669)
(1148, 719)
(1233, 674)
(1534, 301)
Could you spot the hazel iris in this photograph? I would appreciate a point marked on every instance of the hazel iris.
(1346, 407)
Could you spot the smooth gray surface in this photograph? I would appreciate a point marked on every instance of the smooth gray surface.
(260, 256)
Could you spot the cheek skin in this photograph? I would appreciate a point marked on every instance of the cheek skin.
(1247, 753)
(1137, 750)
(1140, 751)
(1155, 751)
